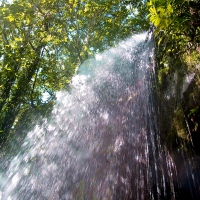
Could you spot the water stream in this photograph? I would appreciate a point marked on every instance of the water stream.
(102, 140)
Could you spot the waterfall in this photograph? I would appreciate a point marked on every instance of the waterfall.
(102, 140)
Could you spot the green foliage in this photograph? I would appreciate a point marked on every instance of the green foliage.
(43, 42)
(162, 77)
(194, 111)
(160, 13)
(177, 25)
(179, 123)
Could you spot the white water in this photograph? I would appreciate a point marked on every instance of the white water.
(102, 140)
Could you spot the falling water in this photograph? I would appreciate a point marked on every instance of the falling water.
(102, 139)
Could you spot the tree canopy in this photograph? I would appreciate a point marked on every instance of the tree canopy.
(43, 42)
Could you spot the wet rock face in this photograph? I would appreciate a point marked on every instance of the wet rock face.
(191, 108)
(180, 131)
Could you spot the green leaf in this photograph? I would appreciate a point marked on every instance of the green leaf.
(10, 18)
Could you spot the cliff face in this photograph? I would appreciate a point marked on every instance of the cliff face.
(178, 91)
(180, 109)
(191, 110)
